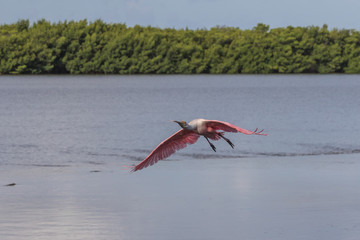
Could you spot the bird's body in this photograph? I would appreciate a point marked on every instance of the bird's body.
(189, 134)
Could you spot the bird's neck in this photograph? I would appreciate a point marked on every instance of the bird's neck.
(188, 127)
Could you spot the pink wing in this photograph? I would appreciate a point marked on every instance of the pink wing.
(228, 127)
(177, 141)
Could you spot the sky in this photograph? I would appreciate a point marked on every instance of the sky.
(193, 14)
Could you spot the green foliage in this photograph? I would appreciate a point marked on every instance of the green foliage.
(97, 47)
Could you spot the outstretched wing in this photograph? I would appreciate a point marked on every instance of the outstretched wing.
(177, 141)
(228, 127)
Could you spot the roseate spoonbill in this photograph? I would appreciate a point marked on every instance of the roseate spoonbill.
(189, 134)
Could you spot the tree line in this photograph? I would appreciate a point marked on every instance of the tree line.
(82, 47)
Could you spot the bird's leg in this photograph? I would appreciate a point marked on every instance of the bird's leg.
(227, 140)
(211, 145)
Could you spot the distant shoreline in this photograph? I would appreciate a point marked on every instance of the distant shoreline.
(80, 47)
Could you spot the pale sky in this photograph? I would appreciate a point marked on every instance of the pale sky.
(193, 14)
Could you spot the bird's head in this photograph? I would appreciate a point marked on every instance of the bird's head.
(181, 123)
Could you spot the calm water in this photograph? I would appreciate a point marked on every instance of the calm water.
(65, 141)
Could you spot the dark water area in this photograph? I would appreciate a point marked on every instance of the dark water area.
(65, 141)
(50, 119)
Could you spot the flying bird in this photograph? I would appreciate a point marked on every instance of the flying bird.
(189, 134)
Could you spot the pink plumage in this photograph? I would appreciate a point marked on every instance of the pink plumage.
(189, 134)
(177, 141)
(228, 127)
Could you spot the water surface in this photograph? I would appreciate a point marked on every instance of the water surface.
(65, 141)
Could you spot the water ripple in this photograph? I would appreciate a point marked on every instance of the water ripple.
(316, 151)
